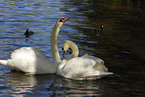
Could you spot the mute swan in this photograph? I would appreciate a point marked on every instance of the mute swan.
(80, 68)
(32, 61)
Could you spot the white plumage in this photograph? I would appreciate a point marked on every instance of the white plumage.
(29, 60)
(85, 67)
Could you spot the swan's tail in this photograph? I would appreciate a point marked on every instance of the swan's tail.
(3, 62)
(96, 74)
(106, 73)
(8, 64)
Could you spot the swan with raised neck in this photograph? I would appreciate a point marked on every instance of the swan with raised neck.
(32, 61)
(54, 48)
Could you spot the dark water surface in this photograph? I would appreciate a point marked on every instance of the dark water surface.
(121, 45)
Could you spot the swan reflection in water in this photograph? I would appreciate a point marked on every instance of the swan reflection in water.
(20, 83)
(67, 87)
(51, 85)
(78, 88)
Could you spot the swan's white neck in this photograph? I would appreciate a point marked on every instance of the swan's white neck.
(54, 48)
(74, 47)
(75, 52)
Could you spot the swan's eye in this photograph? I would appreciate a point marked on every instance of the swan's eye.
(62, 48)
(61, 20)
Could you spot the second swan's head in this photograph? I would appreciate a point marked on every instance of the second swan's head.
(61, 21)
(72, 45)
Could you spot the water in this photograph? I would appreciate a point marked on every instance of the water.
(120, 45)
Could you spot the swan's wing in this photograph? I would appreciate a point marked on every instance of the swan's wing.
(86, 67)
(76, 67)
(98, 68)
(93, 58)
(26, 50)
(29, 59)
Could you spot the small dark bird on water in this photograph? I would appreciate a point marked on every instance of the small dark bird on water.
(100, 29)
(28, 33)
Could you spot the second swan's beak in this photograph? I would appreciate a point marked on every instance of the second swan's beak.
(64, 20)
(63, 52)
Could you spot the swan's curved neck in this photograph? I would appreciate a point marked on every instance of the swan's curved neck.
(75, 53)
(75, 50)
(54, 48)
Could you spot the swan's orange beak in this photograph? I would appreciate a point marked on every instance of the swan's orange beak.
(63, 53)
(64, 20)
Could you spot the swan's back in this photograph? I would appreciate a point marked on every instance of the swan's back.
(26, 53)
(30, 60)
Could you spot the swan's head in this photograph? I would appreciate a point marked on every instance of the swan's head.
(65, 47)
(72, 45)
(61, 21)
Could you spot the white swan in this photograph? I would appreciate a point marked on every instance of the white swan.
(32, 61)
(79, 68)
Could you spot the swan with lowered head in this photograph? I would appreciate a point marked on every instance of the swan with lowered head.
(80, 68)
(32, 61)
